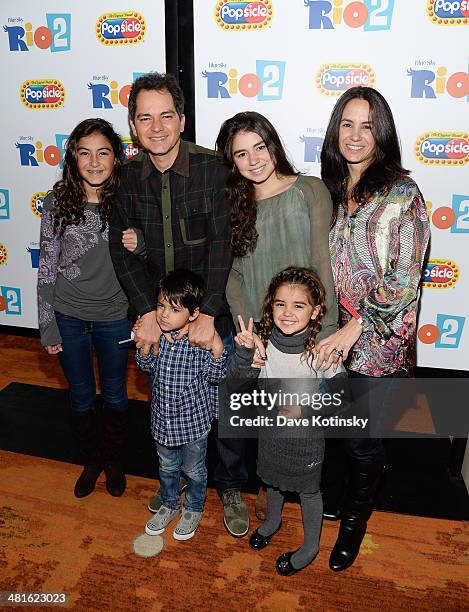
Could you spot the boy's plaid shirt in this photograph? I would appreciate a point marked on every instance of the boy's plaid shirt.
(185, 390)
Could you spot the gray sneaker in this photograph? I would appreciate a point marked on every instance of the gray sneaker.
(161, 520)
(235, 513)
(187, 525)
(155, 501)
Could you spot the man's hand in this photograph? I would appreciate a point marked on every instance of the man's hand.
(201, 331)
(147, 333)
(217, 347)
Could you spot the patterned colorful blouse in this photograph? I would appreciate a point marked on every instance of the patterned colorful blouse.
(377, 256)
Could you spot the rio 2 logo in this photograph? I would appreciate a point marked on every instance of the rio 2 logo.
(4, 204)
(10, 300)
(445, 334)
(265, 84)
(35, 154)
(456, 84)
(56, 36)
(371, 15)
(454, 218)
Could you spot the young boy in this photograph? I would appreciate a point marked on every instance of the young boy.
(184, 402)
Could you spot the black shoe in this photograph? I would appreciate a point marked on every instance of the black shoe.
(115, 479)
(87, 480)
(346, 548)
(258, 541)
(331, 513)
(284, 566)
(115, 425)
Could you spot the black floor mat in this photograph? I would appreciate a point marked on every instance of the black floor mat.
(34, 421)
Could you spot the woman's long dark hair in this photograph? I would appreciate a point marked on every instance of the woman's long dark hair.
(386, 165)
(241, 190)
(309, 280)
(69, 192)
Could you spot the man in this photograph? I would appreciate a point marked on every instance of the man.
(174, 193)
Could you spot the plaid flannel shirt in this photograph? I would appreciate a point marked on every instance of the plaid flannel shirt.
(185, 390)
(183, 214)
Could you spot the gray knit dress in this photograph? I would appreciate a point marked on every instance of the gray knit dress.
(289, 457)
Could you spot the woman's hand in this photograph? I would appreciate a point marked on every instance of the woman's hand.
(129, 239)
(53, 349)
(336, 347)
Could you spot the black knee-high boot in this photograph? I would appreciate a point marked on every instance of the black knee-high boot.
(85, 430)
(115, 427)
(364, 479)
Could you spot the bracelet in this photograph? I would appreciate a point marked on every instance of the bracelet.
(351, 310)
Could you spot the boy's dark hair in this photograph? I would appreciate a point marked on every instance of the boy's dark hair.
(156, 81)
(183, 288)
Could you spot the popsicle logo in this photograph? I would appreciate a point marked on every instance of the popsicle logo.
(42, 93)
(426, 83)
(334, 79)
(454, 218)
(440, 274)
(125, 28)
(129, 148)
(33, 153)
(448, 12)
(446, 333)
(265, 84)
(37, 202)
(3, 254)
(56, 36)
(239, 15)
(4, 204)
(371, 15)
(443, 148)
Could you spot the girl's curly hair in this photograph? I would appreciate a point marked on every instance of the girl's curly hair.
(241, 190)
(69, 192)
(310, 282)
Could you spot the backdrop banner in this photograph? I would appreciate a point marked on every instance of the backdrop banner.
(61, 62)
(291, 59)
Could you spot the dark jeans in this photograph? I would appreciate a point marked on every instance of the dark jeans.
(190, 458)
(78, 339)
(371, 399)
(231, 471)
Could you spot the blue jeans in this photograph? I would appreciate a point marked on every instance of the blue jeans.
(190, 458)
(371, 397)
(76, 359)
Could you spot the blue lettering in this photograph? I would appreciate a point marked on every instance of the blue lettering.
(421, 80)
(215, 82)
(99, 92)
(27, 154)
(318, 9)
(15, 35)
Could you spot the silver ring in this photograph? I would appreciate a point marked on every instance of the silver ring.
(338, 353)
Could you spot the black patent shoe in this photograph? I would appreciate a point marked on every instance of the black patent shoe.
(258, 541)
(284, 566)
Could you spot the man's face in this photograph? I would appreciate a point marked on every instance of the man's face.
(158, 127)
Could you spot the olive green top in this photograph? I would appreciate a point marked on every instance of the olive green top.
(293, 229)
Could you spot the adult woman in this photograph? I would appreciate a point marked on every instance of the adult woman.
(378, 241)
(80, 301)
(279, 218)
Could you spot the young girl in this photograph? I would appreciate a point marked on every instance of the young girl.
(80, 301)
(291, 460)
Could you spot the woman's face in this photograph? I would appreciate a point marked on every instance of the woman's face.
(356, 140)
(95, 161)
(252, 158)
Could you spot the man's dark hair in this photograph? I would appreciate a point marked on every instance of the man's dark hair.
(156, 81)
(183, 288)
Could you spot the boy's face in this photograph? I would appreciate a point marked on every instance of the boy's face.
(172, 317)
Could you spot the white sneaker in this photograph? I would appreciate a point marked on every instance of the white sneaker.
(161, 520)
(187, 525)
